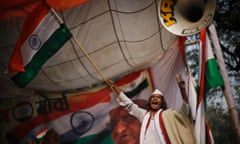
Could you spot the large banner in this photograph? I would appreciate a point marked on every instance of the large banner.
(88, 117)
(93, 116)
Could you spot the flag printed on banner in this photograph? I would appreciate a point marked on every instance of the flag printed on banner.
(80, 118)
(40, 134)
(84, 119)
(41, 37)
(136, 84)
(210, 77)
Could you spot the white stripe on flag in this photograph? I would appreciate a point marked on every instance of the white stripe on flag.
(43, 31)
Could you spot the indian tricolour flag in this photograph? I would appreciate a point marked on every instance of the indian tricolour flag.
(210, 77)
(82, 117)
(42, 35)
(137, 85)
(41, 133)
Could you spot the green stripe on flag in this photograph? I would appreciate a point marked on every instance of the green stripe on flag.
(101, 138)
(49, 48)
(138, 89)
(212, 75)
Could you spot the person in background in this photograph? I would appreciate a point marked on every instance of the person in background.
(160, 125)
(125, 128)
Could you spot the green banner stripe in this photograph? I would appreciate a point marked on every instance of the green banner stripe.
(102, 138)
(138, 89)
(212, 75)
(49, 48)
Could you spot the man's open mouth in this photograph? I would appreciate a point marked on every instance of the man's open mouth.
(154, 102)
(124, 139)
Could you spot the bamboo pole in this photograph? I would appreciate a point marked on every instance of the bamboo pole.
(89, 58)
(94, 64)
(84, 51)
(80, 46)
(228, 91)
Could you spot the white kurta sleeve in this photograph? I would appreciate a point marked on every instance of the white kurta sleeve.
(124, 100)
(131, 107)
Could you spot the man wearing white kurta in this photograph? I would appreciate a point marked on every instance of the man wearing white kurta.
(160, 126)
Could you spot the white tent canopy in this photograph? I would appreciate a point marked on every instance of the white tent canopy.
(120, 36)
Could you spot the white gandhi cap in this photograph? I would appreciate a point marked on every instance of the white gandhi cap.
(157, 92)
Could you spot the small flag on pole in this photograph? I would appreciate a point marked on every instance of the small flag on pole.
(41, 37)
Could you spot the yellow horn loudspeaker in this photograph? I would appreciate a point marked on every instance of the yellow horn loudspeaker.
(186, 17)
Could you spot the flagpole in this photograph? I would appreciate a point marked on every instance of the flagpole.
(89, 58)
(85, 52)
(94, 65)
(80, 46)
(228, 91)
(59, 19)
